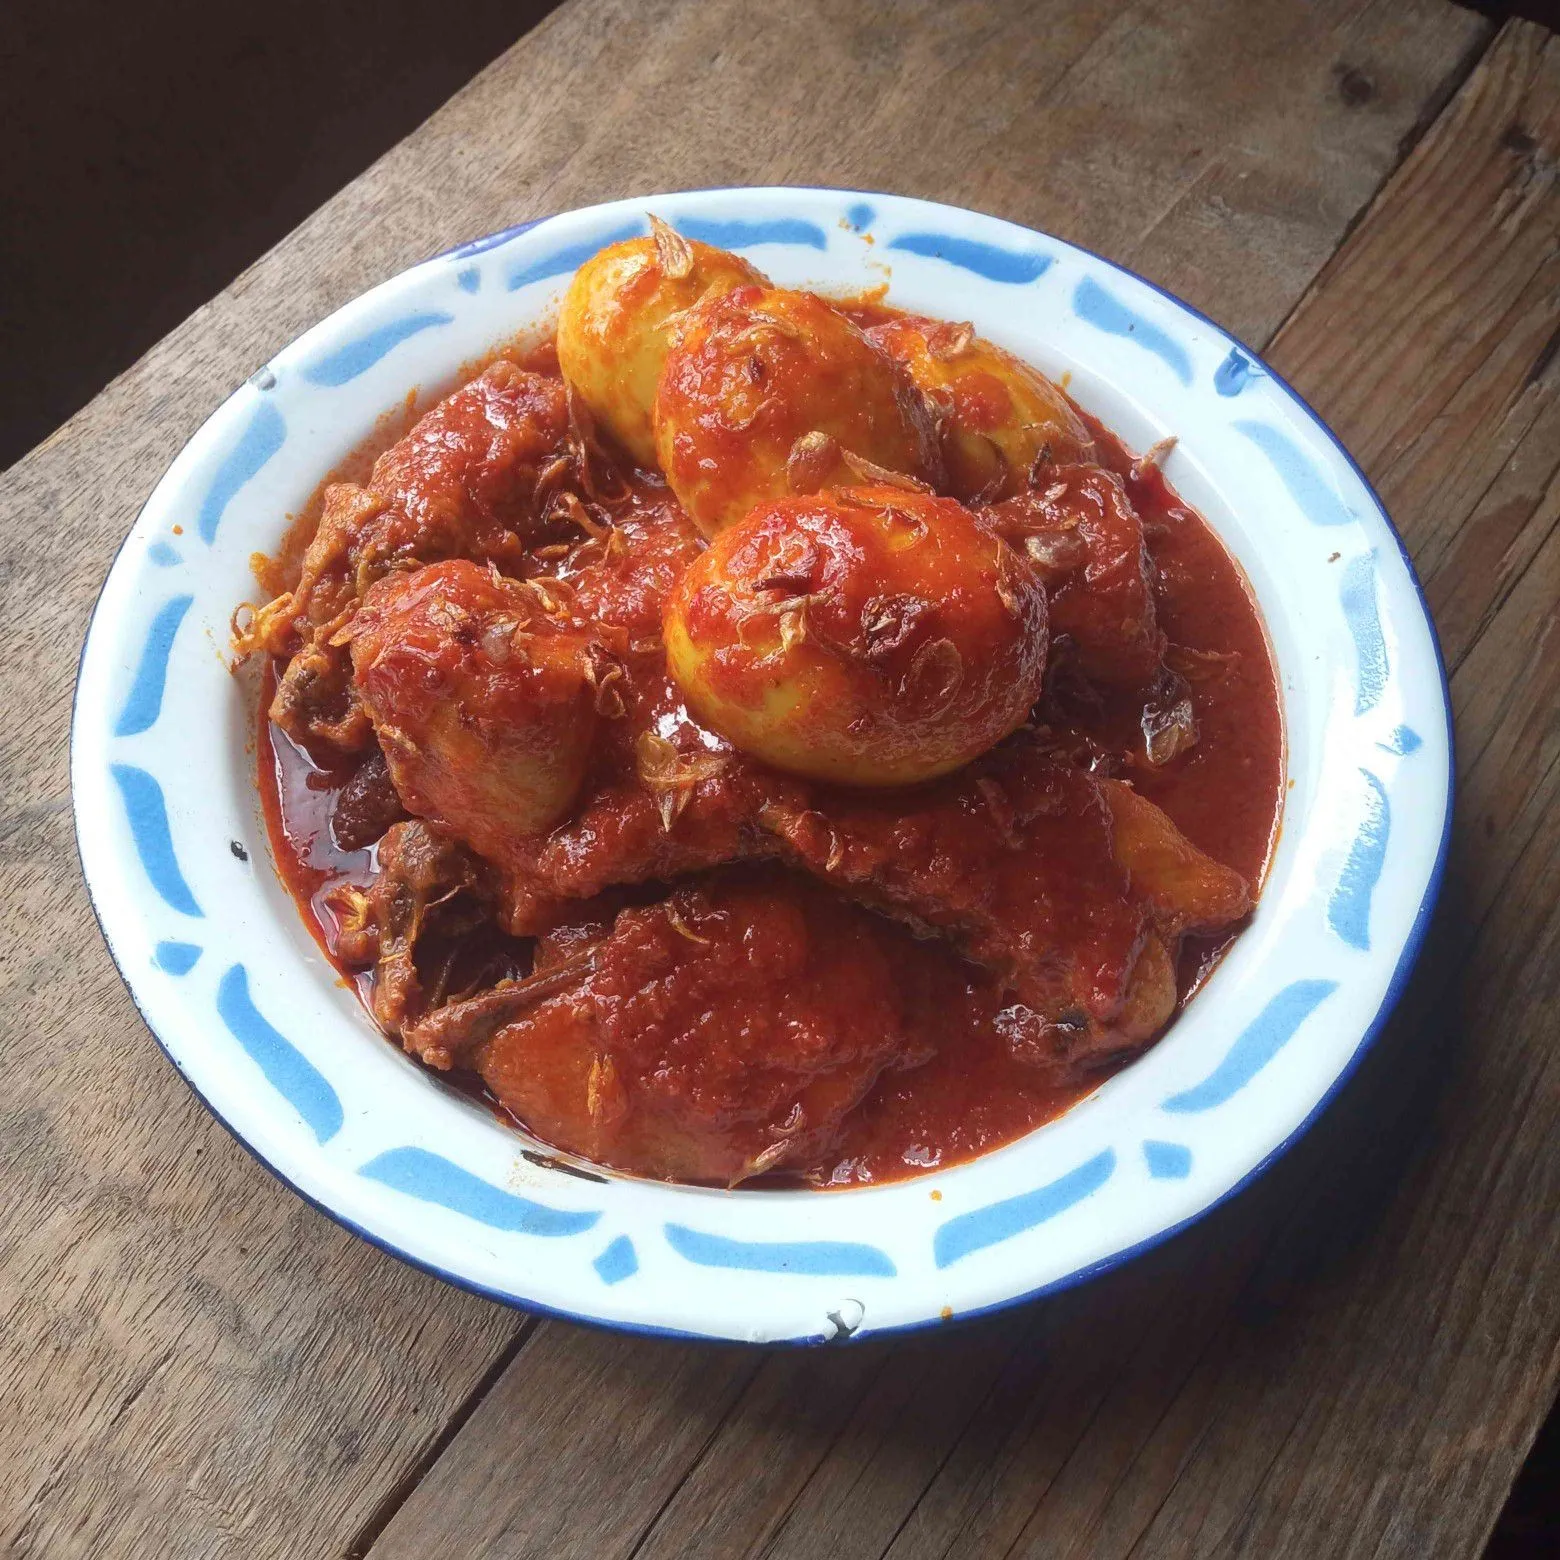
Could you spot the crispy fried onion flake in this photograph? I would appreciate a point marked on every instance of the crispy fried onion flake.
(670, 775)
(817, 458)
(673, 251)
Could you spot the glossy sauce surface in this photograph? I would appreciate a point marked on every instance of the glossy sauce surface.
(1224, 793)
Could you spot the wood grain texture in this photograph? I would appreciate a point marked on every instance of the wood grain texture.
(208, 1367)
(590, 1476)
(1352, 1358)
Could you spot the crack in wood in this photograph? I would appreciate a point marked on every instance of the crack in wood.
(367, 1535)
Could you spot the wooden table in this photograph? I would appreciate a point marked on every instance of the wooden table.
(1352, 1358)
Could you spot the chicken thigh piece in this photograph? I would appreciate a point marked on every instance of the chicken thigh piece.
(467, 481)
(723, 1032)
(419, 922)
(483, 701)
(1071, 890)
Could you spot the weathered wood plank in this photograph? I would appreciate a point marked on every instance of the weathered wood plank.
(798, 1405)
(1466, 420)
(590, 1479)
(1353, 1357)
(209, 1368)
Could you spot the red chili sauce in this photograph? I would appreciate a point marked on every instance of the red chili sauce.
(1224, 793)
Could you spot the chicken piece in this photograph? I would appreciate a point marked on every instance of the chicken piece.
(996, 415)
(680, 812)
(1016, 861)
(869, 635)
(614, 326)
(1013, 859)
(1073, 891)
(621, 579)
(723, 1032)
(1079, 530)
(752, 373)
(366, 806)
(467, 481)
(1187, 890)
(731, 1028)
(414, 922)
(1066, 1047)
(484, 703)
(1183, 890)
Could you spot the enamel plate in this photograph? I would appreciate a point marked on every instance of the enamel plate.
(233, 986)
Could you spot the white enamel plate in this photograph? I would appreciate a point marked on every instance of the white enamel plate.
(233, 986)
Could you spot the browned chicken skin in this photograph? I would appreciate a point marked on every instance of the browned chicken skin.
(724, 1031)
(467, 481)
(1081, 535)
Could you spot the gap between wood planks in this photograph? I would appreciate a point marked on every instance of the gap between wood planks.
(1493, 610)
(363, 1540)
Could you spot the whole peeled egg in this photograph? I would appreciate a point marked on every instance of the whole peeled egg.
(996, 415)
(614, 324)
(753, 373)
(868, 635)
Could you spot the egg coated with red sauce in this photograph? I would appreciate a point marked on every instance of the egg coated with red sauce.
(868, 635)
(754, 372)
